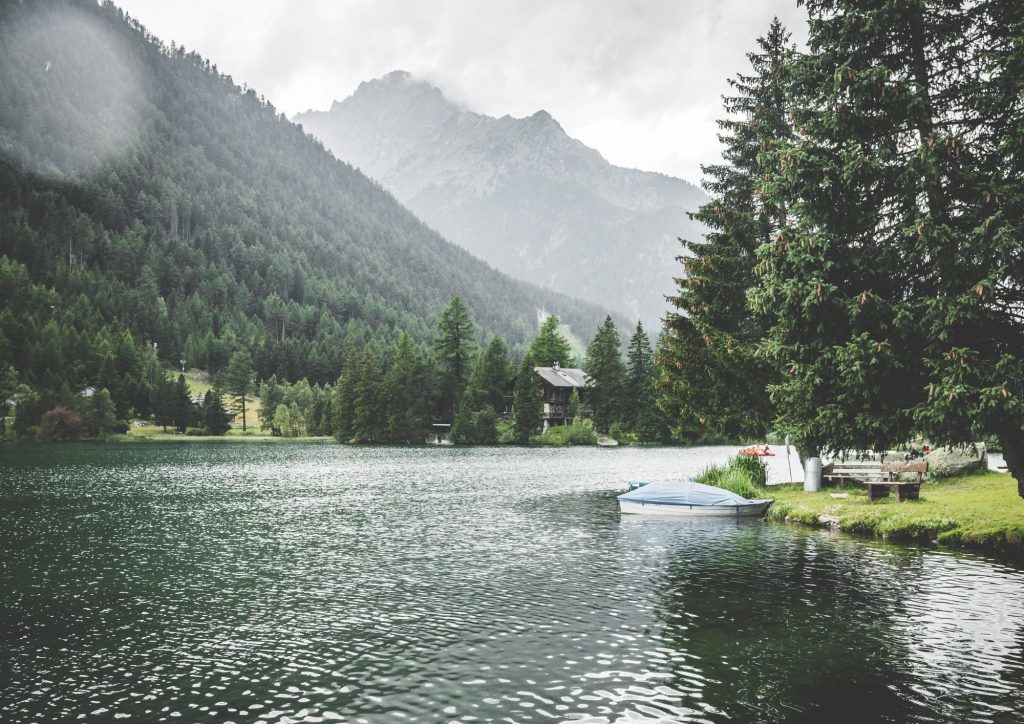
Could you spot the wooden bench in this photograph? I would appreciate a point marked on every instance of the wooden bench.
(905, 490)
(857, 471)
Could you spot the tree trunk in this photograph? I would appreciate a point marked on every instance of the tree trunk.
(243, 413)
(804, 452)
(1012, 440)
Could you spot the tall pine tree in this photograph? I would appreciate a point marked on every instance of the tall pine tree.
(496, 373)
(891, 278)
(550, 347)
(367, 410)
(183, 411)
(974, 323)
(642, 414)
(455, 347)
(216, 418)
(606, 376)
(526, 405)
(270, 397)
(405, 394)
(239, 379)
(713, 376)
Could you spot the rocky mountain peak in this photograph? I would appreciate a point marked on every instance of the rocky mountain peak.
(520, 193)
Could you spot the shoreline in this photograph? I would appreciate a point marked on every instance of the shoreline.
(128, 438)
(979, 511)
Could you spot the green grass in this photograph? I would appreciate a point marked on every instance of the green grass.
(977, 511)
(742, 475)
(199, 384)
(575, 434)
(160, 436)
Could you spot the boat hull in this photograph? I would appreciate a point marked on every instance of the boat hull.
(755, 509)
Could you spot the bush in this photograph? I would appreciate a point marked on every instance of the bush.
(580, 432)
(738, 476)
(477, 428)
(506, 435)
(60, 425)
(753, 466)
(99, 415)
(711, 475)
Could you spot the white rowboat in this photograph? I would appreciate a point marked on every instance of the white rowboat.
(689, 499)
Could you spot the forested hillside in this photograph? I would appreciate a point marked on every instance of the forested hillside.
(519, 193)
(147, 203)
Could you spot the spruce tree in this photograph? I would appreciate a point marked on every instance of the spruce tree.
(100, 415)
(366, 398)
(317, 423)
(526, 405)
(183, 411)
(575, 407)
(712, 373)
(455, 346)
(485, 426)
(974, 323)
(271, 396)
(163, 402)
(462, 428)
(606, 376)
(216, 418)
(496, 373)
(550, 347)
(643, 415)
(892, 282)
(639, 376)
(343, 405)
(238, 379)
(405, 394)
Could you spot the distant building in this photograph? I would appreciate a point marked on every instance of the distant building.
(559, 382)
(439, 434)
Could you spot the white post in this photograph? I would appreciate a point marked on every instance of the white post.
(789, 462)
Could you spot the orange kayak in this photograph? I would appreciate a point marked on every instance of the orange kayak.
(756, 452)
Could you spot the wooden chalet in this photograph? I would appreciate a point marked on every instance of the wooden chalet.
(559, 382)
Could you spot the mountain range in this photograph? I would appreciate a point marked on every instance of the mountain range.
(519, 193)
(144, 192)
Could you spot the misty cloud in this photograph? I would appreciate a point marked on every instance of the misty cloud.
(82, 95)
(639, 81)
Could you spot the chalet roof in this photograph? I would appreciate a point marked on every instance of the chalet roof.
(562, 376)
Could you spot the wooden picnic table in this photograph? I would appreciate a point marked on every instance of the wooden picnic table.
(905, 489)
(856, 471)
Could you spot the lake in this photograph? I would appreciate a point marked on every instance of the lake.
(318, 582)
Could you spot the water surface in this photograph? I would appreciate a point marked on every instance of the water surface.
(316, 582)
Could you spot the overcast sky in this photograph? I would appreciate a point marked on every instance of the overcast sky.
(639, 80)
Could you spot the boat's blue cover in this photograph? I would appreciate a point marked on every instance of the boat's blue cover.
(683, 492)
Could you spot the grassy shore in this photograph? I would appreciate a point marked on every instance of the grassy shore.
(156, 434)
(199, 384)
(974, 511)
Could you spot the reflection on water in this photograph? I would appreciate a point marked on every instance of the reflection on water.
(320, 582)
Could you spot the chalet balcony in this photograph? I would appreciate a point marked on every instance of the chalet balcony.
(555, 411)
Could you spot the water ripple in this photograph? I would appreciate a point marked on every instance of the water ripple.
(315, 583)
